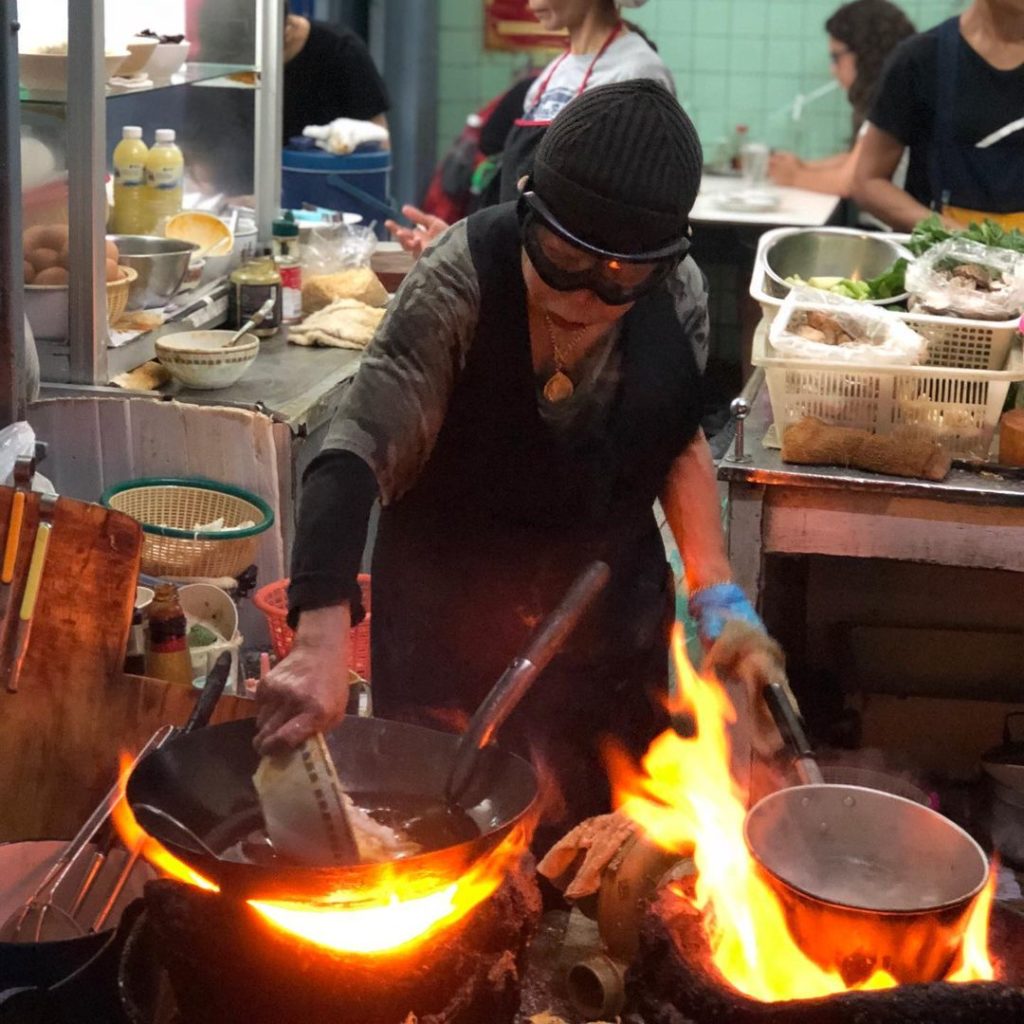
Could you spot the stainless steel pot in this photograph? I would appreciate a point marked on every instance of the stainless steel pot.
(161, 265)
(831, 252)
(868, 880)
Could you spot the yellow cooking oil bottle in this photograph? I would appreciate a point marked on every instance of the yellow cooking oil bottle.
(165, 169)
(130, 216)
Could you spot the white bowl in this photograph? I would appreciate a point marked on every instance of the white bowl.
(167, 59)
(46, 306)
(140, 50)
(48, 72)
(199, 359)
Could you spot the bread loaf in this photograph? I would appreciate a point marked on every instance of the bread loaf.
(1011, 438)
(359, 283)
(813, 442)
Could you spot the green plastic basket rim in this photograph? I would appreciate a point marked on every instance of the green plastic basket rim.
(205, 485)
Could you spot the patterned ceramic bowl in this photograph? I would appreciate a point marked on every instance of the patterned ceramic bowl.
(200, 360)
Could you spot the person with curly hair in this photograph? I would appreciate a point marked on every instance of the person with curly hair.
(861, 35)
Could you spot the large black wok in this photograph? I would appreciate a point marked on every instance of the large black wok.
(204, 781)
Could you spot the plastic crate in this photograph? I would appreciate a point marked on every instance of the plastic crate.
(272, 600)
(952, 341)
(958, 408)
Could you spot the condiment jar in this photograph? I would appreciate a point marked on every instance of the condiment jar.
(249, 288)
(167, 654)
(287, 256)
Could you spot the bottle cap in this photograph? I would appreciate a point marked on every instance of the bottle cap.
(131, 131)
(285, 227)
(165, 135)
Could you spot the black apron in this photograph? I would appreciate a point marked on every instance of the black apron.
(506, 513)
(526, 132)
(970, 183)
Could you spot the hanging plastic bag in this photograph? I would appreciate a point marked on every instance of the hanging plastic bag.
(818, 325)
(967, 279)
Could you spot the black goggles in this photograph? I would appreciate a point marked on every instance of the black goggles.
(568, 264)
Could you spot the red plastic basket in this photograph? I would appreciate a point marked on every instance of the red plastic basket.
(272, 600)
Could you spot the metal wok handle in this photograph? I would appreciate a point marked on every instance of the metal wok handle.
(517, 679)
(788, 722)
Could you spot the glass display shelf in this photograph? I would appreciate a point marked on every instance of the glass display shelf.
(190, 74)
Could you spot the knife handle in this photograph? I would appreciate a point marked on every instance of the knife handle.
(28, 604)
(13, 537)
(35, 571)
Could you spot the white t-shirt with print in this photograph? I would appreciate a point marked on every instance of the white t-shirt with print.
(627, 57)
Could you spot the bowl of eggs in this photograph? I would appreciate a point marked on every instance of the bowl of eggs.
(46, 256)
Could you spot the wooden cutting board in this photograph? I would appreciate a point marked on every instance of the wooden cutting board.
(60, 734)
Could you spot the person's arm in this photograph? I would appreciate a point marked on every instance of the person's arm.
(832, 175)
(872, 182)
(426, 228)
(691, 504)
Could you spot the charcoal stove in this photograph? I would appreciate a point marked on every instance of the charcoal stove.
(673, 981)
(196, 957)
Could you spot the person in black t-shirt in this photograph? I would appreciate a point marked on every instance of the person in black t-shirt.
(955, 97)
(328, 73)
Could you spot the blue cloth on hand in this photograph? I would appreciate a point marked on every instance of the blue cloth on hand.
(712, 607)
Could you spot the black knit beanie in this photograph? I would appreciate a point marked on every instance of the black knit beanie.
(620, 167)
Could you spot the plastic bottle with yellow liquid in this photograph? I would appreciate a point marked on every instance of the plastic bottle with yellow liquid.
(130, 216)
(165, 169)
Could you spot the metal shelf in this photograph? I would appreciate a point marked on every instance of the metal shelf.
(191, 74)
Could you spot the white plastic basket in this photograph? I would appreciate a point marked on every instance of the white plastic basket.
(964, 344)
(958, 408)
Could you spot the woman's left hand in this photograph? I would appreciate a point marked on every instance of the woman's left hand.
(426, 228)
(746, 659)
(783, 168)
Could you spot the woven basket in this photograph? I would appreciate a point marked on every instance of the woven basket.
(117, 294)
(272, 600)
(171, 509)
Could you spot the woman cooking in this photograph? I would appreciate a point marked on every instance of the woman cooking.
(955, 97)
(601, 48)
(534, 387)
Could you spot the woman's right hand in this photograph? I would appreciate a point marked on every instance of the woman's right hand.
(783, 167)
(415, 240)
(307, 692)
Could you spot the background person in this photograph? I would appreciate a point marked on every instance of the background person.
(328, 73)
(861, 35)
(601, 49)
(954, 96)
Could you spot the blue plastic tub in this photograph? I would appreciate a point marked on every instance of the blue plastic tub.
(356, 183)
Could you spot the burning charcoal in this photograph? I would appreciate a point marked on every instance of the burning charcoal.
(673, 981)
(227, 964)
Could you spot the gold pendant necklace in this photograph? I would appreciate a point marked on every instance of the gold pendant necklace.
(559, 385)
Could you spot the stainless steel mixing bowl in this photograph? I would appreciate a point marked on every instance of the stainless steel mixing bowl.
(161, 264)
(831, 252)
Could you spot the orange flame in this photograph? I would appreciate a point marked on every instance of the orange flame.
(400, 913)
(687, 801)
(132, 835)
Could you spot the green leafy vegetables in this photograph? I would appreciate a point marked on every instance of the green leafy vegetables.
(931, 232)
(885, 286)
